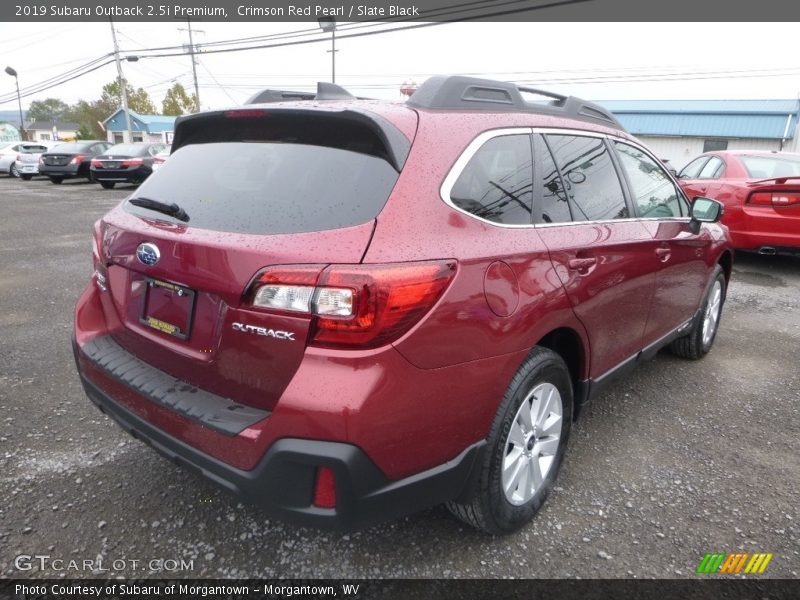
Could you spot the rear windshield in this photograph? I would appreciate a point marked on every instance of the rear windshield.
(766, 167)
(128, 149)
(270, 187)
(67, 148)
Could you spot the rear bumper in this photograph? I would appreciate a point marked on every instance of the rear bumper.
(27, 168)
(283, 481)
(121, 175)
(65, 172)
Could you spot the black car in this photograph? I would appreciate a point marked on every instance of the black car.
(66, 161)
(125, 163)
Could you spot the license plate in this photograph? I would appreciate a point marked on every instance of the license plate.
(168, 308)
(29, 169)
(111, 165)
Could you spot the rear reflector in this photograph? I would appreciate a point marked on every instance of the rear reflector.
(362, 306)
(775, 198)
(325, 488)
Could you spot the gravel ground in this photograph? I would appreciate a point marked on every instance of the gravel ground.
(679, 459)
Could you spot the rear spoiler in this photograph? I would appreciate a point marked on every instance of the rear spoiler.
(210, 126)
(778, 180)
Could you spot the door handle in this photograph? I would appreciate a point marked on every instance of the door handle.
(581, 264)
(663, 254)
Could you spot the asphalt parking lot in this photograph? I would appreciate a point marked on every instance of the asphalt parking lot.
(680, 459)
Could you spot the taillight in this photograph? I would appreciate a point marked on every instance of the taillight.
(100, 273)
(77, 160)
(41, 160)
(19, 157)
(158, 160)
(132, 162)
(775, 198)
(96, 163)
(361, 306)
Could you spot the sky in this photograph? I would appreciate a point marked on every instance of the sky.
(598, 61)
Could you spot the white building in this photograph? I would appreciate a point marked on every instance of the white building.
(679, 130)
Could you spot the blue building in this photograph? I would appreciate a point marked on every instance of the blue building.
(679, 130)
(144, 128)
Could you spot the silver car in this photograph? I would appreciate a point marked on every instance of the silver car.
(11, 152)
(26, 164)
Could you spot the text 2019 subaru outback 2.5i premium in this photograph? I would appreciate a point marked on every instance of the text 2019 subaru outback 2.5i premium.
(348, 310)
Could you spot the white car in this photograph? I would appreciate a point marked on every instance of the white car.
(160, 158)
(26, 164)
(8, 155)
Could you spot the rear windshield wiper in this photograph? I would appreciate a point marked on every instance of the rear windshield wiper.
(173, 210)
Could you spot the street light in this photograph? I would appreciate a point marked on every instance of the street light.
(13, 73)
(329, 24)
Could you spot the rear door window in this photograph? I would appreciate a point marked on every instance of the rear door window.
(552, 203)
(593, 186)
(496, 183)
(712, 169)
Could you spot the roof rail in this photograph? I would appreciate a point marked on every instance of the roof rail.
(457, 92)
(325, 91)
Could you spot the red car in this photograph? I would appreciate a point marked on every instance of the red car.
(349, 310)
(760, 192)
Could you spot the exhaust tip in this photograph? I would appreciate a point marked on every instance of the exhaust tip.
(767, 250)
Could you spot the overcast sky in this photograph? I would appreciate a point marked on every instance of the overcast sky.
(596, 61)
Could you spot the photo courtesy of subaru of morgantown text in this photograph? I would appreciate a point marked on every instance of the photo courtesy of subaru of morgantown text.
(348, 310)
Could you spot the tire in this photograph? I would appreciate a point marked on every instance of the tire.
(26, 177)
(13, 171)
(493, 509)
(56, 180)
(107, 185)
(696, 344)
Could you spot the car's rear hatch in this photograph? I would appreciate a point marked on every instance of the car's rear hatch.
(260, 188)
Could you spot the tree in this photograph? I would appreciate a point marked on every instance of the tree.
(50, 109)
(138, 100)
(89, 115)
(177, 102)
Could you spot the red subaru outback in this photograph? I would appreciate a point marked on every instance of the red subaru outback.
(348, 310)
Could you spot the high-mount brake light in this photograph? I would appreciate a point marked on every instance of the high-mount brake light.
(251, 113)
(362, 306)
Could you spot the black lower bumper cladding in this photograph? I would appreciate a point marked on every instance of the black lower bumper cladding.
(283, 481)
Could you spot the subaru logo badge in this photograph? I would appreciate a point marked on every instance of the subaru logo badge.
(148, 254)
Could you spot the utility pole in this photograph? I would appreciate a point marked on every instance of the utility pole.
(122, 83)
(329, 24)
(194, 62)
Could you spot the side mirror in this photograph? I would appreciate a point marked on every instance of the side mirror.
(706, 210)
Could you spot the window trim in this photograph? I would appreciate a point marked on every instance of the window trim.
(472, 148)
(463, 160)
